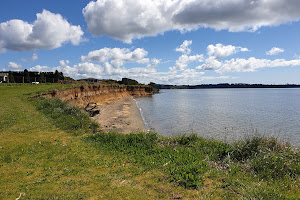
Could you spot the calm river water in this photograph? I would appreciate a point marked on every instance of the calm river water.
(224, 114)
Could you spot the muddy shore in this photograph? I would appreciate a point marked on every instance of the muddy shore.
(121, 115)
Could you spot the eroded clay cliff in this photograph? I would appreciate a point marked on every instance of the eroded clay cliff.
(100, 94)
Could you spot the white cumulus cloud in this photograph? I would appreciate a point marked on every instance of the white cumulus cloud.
(131, 19)
(48, 31)
(211, 63)
(221, 51)
(39, 68)
(64, 63)
(184, 47)
(252, 64)
(128, 19)
(116, 56)
(66, 69)
(33, 58)
(183, 61)
(275, 51)
(13, 65)
(154, 62)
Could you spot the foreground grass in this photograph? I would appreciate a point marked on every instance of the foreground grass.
(48, 154)
(257, 168)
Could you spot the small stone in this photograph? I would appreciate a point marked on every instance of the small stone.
(176, 196)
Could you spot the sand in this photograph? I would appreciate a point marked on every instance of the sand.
(121, 115)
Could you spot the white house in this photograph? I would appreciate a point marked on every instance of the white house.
(3, 77)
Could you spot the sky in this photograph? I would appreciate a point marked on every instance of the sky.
(163, 41)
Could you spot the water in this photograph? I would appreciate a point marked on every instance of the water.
(224, 114)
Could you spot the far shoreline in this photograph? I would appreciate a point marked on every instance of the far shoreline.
(227, 86)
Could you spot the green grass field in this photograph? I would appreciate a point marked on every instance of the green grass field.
(48, 151)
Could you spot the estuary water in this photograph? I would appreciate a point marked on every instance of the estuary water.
(224, 114)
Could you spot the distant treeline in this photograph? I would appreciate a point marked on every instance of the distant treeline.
(132, 82)
(225, 85)
(29, 76)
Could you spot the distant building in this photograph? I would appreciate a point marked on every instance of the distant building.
(3, 77)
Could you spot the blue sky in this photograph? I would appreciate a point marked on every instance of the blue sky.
(164, 41)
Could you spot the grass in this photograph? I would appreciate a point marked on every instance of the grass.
(48, 151)
(188, 160)
(65, 116)
(183, 158)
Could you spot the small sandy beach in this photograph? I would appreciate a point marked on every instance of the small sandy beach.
(121, 115)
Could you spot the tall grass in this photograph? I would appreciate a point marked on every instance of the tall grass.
(187, 158)
(183, 158)
(65, 116)
(269, 158)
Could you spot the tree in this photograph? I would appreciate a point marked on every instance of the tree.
(42, 77)
(11, 77)
(128, 81)
(58, 76)
(152, 84)
(153, 87)
(26, 76)
(61, 76)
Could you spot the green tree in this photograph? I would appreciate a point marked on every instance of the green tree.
(61, 76)
(153, 87)
(152, 84)
(11, 77)
(56, 76)
(42, 77)
(128, 81)
(26, 76)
